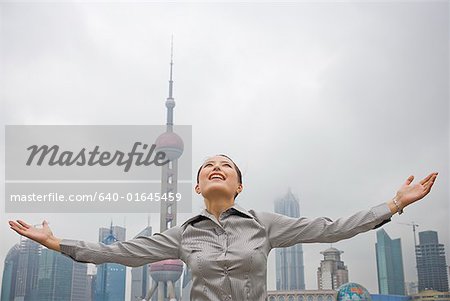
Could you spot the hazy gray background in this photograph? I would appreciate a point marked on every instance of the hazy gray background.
(339, 101)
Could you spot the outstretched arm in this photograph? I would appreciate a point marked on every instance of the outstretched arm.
(284, 231)
(135, 252)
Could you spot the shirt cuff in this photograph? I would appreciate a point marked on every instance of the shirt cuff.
(68, 246)
(382, 213)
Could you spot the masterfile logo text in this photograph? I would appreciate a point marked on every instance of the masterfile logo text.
(101, 168)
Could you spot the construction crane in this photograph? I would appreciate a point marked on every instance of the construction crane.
(414, 226)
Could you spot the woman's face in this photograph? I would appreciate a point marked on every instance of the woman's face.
(218, 178)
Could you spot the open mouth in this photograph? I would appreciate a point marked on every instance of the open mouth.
(216, 176)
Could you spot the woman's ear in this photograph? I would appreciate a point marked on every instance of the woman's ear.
(197, 189)
(240, 188)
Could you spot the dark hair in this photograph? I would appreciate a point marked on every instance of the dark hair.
(235, 166)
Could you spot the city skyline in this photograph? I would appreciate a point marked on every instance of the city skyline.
(321, 96)
(108, 235)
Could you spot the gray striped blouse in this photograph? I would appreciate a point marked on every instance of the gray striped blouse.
(228, 257)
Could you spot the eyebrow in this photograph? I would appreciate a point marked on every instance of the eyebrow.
(224, 161)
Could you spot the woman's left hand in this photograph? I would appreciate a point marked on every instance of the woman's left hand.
(410, 193)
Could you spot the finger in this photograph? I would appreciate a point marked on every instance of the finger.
(16, 227)
(12, 224)
(18, 231)
(409, 180)
(23, 224)
(427, 187)
(432, 179)
(44, 224)
(427, 178)
(430, 183)
(19, 226)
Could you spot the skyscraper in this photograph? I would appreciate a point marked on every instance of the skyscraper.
(110, 279)
(431, 263)
(54, 277)
(290, 273)
(391, 280)
(139, 275)
(79, 290)
(332, 272)
(118, 232)
(27, 270)
(38, 274)
(10, 274)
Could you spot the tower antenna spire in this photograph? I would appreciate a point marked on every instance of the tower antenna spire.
(170, 102)
(171, 66)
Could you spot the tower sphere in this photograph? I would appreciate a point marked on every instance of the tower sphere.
(171, 144)
(167, 270)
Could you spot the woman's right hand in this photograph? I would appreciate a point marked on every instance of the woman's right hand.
(43, 235)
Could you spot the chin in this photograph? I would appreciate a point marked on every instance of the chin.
(214, 192)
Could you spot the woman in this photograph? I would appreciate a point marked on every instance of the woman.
(227, 246)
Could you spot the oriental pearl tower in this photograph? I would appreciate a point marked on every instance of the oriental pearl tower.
(166, 273)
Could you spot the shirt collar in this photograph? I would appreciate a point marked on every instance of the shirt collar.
(232, 210)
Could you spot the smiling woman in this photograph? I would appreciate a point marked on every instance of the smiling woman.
(226, 246)
(221, 174)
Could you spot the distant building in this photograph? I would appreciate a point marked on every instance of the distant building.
(391, 280)
(411, 288)
(60, 278)
(118, 232)
(187, 285)
(376, 297)
(110, 278)
(332, 272)
(10, 274)
(54, 277)
(431, 263)
(38, 274)
(431, 295)
(140, 282)
(290, 274)
(302, 295)
(79, 287)
(27, 270)
(90, 287)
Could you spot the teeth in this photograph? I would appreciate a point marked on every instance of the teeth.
(217, 177)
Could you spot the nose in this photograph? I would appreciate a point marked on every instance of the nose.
(216, 167)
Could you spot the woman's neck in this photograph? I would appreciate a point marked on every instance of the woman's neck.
(217, 206)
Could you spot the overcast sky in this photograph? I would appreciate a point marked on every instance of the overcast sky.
(341, 102)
